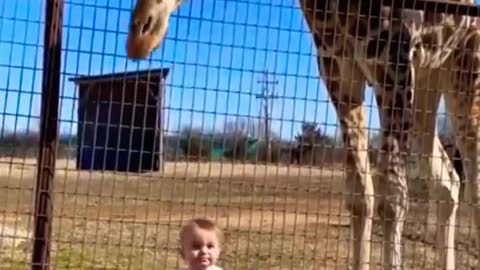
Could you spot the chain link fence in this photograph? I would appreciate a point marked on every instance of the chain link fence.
(227, 119)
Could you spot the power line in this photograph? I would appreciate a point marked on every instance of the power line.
(266, 98)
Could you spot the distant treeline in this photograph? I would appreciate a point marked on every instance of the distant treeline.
(310, 146)
(25, 144)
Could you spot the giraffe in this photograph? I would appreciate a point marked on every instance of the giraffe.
(352, 50)
(446, 56)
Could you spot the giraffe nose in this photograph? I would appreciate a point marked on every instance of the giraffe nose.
(146, 27)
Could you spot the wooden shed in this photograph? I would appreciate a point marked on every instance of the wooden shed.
(120, 121)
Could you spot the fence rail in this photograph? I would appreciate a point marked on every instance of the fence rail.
(43, 214)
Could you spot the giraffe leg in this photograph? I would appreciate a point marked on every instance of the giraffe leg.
(436, 167)
(345, 84)
(464, 106)
(467, 128)
(393, 193)
(445, 190)
(395, 101)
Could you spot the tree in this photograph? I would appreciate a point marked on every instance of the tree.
(309, 140)
(194, 143)
(310, 135)
(240, 127)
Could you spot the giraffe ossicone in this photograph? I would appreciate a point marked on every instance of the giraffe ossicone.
(402, 61)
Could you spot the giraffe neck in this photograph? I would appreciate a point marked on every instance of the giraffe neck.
(335, 27)
(366, 39)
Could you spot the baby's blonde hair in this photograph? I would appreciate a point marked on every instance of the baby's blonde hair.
(202, 223)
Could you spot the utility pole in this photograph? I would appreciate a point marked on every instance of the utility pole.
(267, 97)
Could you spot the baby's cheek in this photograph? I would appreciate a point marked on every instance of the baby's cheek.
(216, 253)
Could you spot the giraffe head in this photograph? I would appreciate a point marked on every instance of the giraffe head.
(148, 26)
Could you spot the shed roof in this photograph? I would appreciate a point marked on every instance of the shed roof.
(131, 76)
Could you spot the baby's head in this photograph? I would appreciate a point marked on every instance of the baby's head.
(200, 243)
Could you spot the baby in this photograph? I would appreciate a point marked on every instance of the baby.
(200, 244)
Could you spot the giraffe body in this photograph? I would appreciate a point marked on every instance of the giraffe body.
(448, 64)
(409, 68)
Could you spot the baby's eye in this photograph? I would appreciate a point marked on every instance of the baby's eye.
(210, 246)
(196, 246)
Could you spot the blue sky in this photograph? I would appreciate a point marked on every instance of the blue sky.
(216, 50)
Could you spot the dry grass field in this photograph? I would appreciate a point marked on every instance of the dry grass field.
(274, 218)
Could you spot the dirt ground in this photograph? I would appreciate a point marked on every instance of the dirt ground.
(274, 218)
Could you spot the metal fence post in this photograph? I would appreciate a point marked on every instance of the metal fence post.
(43, 210)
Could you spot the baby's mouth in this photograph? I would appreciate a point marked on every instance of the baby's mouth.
(204, 261)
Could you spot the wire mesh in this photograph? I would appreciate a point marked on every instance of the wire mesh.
(146, 145)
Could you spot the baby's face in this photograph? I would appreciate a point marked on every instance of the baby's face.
(201, 248)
